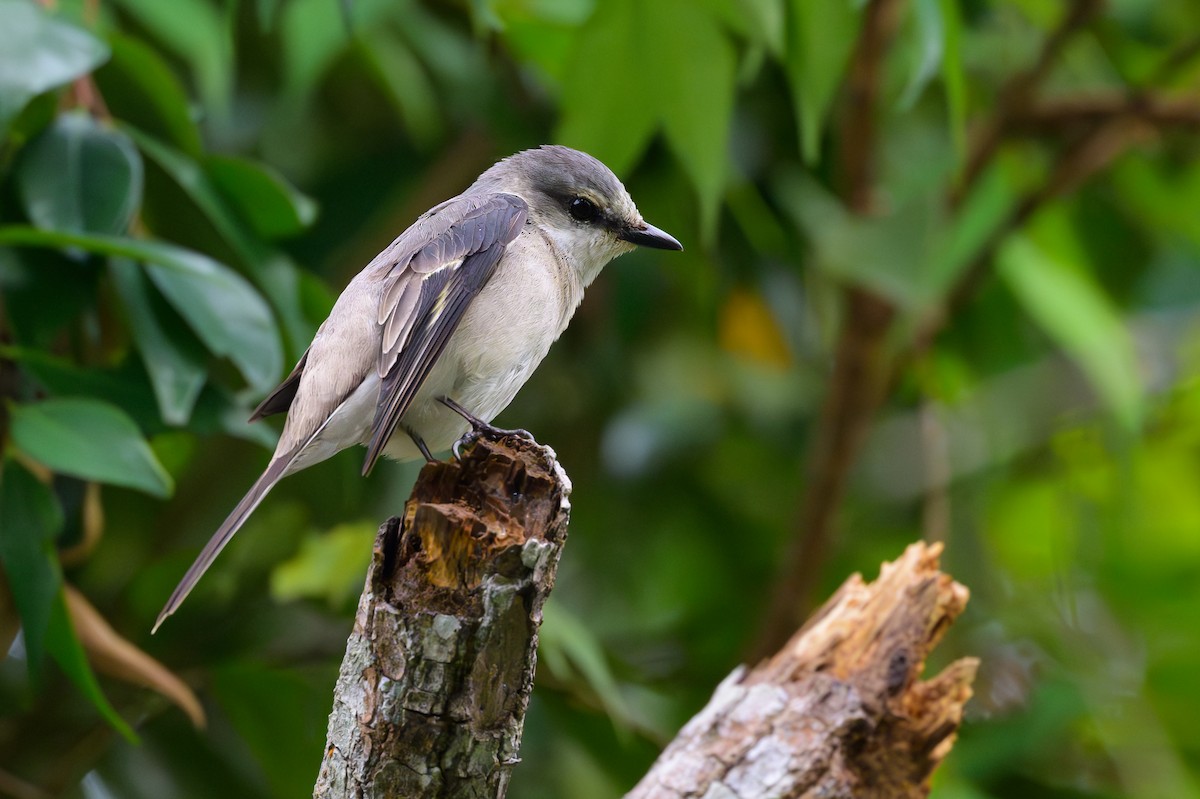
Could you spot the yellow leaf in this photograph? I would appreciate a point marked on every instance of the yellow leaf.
(748, 329)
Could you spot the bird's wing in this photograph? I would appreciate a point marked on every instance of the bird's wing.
(425, 296)
(281, 398)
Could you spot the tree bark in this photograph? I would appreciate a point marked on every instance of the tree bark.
(431, 697)
(840, 711)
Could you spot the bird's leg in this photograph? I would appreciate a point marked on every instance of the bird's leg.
(420, 442)
(479, 428)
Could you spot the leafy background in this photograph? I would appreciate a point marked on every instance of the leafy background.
(942, 279)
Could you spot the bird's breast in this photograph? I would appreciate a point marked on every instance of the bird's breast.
(502, 338)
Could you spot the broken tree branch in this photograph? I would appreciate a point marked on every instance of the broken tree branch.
(432, 692)
(841, 710)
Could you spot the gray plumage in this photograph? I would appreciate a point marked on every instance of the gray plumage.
(463, 305)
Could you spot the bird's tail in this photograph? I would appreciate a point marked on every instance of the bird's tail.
(275, 471)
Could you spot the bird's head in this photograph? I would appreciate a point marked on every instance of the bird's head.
(579, 203)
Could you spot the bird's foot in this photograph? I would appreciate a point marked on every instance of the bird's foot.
(480, 429)
(421, 445)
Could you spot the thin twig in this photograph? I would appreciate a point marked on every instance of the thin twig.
(1065, 117)
(1016, 93)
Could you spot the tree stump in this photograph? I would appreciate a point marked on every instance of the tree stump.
(431, 697)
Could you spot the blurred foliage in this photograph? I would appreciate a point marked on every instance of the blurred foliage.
(185, 186)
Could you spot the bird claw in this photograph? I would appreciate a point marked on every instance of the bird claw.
(479, 428)
(490, 432)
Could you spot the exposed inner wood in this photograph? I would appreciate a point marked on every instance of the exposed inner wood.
(432, 692)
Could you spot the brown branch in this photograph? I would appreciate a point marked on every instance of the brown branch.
(1016, 94)
(860, 363)
(841, 710)
(86, 95)
(855, 390)
(437, 674)
(1068, 116)
(859, 129)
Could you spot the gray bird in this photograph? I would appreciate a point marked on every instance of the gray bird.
(438, 333)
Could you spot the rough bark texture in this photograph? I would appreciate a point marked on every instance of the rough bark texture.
(840, 711)
(431, 697)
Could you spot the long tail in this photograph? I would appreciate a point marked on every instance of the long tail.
(275, 471)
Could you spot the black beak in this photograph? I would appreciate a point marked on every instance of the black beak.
(647, 235)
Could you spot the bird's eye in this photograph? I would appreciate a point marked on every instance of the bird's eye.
(583, 209)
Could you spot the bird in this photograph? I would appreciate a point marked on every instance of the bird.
(434, 337)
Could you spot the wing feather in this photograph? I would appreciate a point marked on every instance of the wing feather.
(426, 296)
(280, 399)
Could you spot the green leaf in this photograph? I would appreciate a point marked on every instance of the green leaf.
(406, 82)
(329, 566)
(978, 217)
(125, 387)
(761, 22)
(266, 11)
(30, 518)
(931, 43)
(274, 207)
(262, 701)
(79, 177)
(695, 95)
(220, 306)
(1075, 313)
(953, 75)
(63, 645)
(273, 272)
(143, 91)
(821, 36)
(38, 53)
(195, 31)
(542, 33)
(173, 356)
(222, 309)
(312, 33)
(592, 98)
(570, 648)
(91, 440)
(652, 77)
(889, 254)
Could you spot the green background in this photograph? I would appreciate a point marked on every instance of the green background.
(185, 187)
